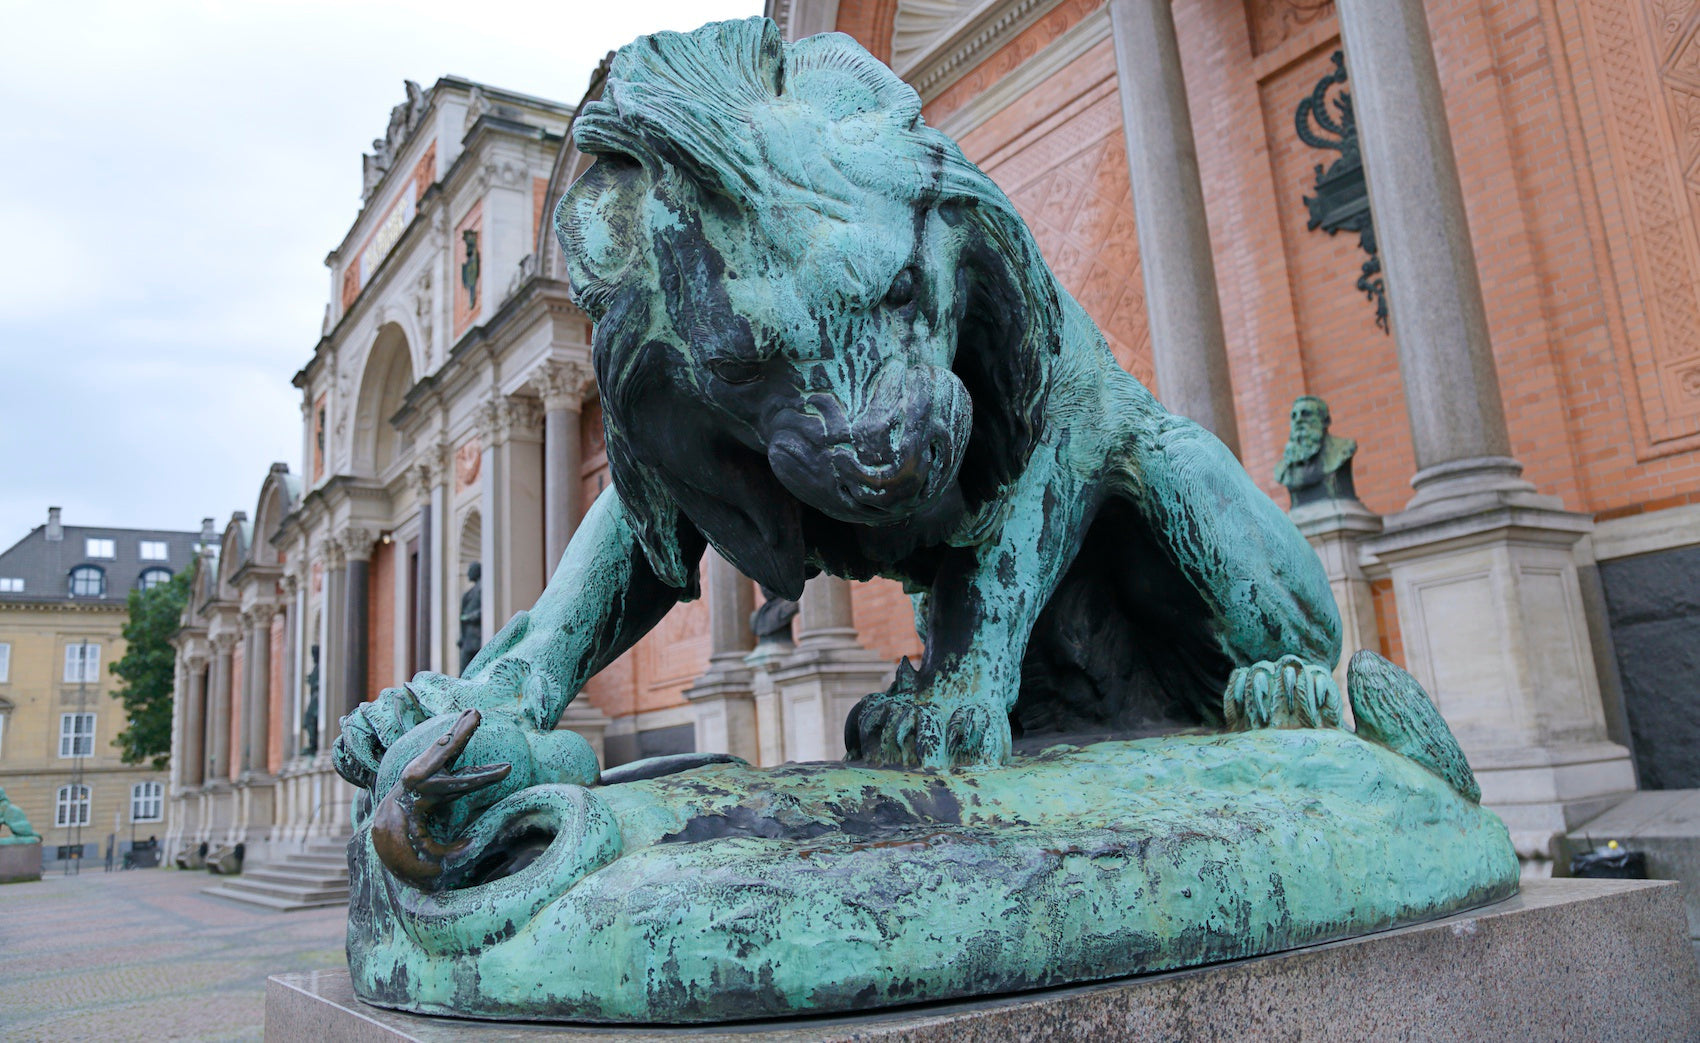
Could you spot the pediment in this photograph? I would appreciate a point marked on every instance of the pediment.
(935, 42)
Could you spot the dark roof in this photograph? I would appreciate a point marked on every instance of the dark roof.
(45, 565)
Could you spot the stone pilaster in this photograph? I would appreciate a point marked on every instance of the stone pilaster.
(1484, 570)
(1188, 346)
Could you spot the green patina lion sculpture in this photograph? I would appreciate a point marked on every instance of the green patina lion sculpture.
(825, 341)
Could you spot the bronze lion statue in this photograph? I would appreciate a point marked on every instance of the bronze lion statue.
(825, 342)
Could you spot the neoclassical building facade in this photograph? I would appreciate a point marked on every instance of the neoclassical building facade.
(1487, 264)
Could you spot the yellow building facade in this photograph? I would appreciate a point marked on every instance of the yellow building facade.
(63, 606)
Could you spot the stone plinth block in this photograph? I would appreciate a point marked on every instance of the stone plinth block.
(729, 892)
(1566, 959)
(20, 861)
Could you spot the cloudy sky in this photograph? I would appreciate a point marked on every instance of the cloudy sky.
(172, 175)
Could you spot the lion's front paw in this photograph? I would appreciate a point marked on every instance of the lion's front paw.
(901, 728)
(1286, 693)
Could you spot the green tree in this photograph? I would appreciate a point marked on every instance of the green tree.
(148, 669)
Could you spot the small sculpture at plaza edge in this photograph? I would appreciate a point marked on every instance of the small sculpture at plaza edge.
(825, 342)
(471, 617)
(12, 817)
(1315, 465)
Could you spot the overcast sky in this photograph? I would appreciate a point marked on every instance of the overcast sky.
(171, 178)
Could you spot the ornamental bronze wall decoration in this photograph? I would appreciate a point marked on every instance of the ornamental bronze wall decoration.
(1341, 203)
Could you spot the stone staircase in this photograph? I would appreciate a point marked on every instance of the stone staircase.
(314, 876)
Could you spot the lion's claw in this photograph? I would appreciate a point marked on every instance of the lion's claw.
(901, 731)
(1284, 693)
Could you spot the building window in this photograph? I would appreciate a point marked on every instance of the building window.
(5, 661)
(71, 807)
(147, 802)
(155, 550)
(151, 578)
(11, 584)
(76, 734)
(88, 581)
(93, 548)
(82, 663)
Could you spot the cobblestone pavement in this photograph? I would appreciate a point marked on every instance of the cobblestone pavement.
(144, 955)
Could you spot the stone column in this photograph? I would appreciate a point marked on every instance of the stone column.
(827, 674)
(332, 673)
(193, 754)
(356, 546)
(1188, 345)
(722, 696)
(1484, 570)
(1434, 293)
(562, 385)
(513, 568)
(291, 666)
(425, 482)
(223, 671)
(257, 715)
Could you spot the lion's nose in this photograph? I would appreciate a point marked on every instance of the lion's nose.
(901, 471)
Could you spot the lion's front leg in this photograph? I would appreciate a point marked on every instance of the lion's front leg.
(954, 710)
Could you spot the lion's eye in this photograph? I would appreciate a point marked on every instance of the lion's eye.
(902, 290)
(735, 371)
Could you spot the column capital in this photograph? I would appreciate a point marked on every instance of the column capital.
(195, 660)
(502, 418)
(224, 642)
(563, 383)
(354, 543)
(263, 613)
(424, 475)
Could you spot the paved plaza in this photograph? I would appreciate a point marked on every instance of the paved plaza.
(144, 955)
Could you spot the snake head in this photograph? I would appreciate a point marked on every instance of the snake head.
(415, 826)
(428, 775)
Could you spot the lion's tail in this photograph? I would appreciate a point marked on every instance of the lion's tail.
(1392, 710)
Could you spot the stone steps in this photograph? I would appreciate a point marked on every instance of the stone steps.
(311, 878)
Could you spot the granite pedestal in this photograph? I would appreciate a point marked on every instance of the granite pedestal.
(1566, 959)
(19, 862)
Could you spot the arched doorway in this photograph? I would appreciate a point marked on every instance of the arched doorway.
(383, 388)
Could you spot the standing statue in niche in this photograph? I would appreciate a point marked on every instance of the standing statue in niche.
(826, 342)
(310, 714)
(1315, 465)
(771, 623)
(471, 617)
(469, 269)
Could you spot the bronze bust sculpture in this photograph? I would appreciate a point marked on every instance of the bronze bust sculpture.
(1315, 465)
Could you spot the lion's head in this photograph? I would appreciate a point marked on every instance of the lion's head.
(812, 311)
